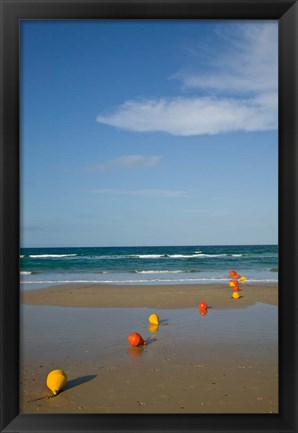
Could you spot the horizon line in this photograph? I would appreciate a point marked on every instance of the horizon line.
(153, 246)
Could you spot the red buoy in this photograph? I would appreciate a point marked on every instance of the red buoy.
(203, 312)
(203, 306)
(135, 339)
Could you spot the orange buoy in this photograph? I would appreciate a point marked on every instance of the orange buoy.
(233, 274)
(237, 276)
(236, 288)
(203, 306)
(135, 339)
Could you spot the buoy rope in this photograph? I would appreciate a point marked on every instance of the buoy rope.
(37, 399)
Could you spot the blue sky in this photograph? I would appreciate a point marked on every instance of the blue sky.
(148, 133)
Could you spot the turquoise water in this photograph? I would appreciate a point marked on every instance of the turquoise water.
(147, 265)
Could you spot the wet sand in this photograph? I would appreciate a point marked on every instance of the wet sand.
(223, 362)
(159, 296)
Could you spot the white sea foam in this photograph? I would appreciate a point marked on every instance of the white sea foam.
(212, 255)
(198, 254)
(63, 281)
(45, 256)
(101, 257)
(21, 257)
(124, 256)
(159, 272)
(179, 256)
(155, 280)
(150, 281)
(149, 256)
(25, 273)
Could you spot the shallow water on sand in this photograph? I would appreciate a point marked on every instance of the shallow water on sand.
(63, 335)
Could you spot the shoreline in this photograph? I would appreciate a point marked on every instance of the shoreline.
(154, 296)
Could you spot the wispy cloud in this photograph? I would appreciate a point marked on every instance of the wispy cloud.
(162, 193)
(247, 62)
(127, 161)
(240, 90)
(196, 116)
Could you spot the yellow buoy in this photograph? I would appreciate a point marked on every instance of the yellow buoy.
(243, 278)
(236, 295)
(153, 328)
(153, 319)
(56, 381)
(58, 372)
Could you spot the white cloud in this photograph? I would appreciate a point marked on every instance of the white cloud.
(247, 62)
(239, 82)
(128, 161)
(162, 193)
(196, 116)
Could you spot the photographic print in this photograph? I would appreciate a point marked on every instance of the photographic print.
(149, 216)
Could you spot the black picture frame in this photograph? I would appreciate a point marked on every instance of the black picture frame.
(286, 12)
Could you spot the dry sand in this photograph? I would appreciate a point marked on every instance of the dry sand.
(224, 362)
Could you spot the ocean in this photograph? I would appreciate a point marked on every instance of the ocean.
(42, 267)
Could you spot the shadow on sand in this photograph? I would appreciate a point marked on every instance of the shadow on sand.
(79, 381)
(151, 340)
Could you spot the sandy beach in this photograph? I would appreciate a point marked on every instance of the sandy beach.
(223, 362)
(154, 296)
